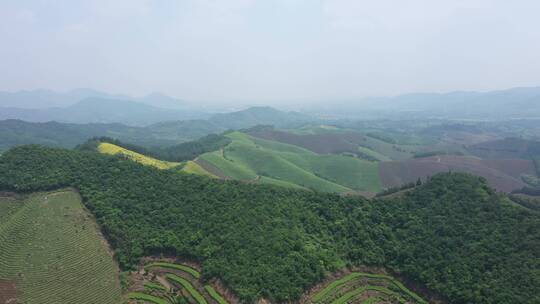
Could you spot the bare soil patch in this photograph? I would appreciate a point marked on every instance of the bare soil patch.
(226, 293)
(211, 168)
(8, 292)
(329, 143)
(11, 195)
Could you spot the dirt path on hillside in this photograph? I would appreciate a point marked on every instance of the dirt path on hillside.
(211, 168)
(163, 281)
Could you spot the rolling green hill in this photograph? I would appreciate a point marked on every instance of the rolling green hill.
(323, 139)
(259, 160)
(52, 251)
(241, 156)
(393, 161)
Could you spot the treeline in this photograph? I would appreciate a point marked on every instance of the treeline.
(531, 202)
(177, 153)
(382, 137)
(436, 153)
(533, 191)
(452, 234)
(396, 189)
(191, 149)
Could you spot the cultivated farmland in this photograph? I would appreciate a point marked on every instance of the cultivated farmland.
(264, 161)
(504, 174)
(506, 148)
(360, 287)
(339, 141)
(51, 251)
(373, 164)
(165, 282)
(323, 143)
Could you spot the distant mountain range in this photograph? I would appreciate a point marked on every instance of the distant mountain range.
(503, 104)
(102, 110)
(43, 99)
(85, 106)
(16, 132)
(91, 106)
(260, 116)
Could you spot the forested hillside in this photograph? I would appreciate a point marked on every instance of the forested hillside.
(65, 135)
(166, 131)
(453, 234)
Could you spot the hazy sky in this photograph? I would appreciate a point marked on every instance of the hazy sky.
(269, 49)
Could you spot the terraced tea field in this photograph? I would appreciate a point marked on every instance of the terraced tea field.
(51, 251)
(264, 161)
(164, 282)
(359, 287)
(332, 161)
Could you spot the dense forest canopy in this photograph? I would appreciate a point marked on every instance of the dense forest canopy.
(453, 234)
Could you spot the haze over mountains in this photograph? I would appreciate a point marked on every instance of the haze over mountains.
(131, 122)
(501, 104)
(42, 99)
(68, 119)
(91, 106)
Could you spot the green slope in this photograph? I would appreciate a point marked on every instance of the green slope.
(391, 151)
(266, 161)
(230, 168)
(347, 171)
(269, 163)
(371, 153)
(51, 249)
